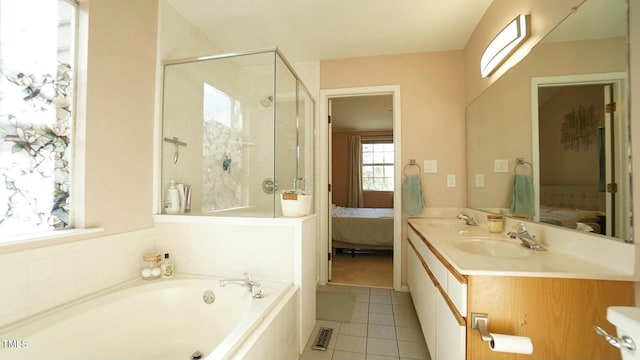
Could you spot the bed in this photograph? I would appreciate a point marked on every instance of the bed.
(362, 228)
(568, 205)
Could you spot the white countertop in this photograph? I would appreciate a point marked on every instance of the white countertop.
(443, 234)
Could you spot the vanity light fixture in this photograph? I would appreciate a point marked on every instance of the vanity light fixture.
(504, 44)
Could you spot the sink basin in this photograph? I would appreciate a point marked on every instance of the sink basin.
(494, 247)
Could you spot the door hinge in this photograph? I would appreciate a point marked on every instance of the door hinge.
(610, 108)
(329, 118)
(329, 187)
(612, 188)
(329, 256)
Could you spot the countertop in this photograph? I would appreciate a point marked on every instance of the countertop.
(445, 234)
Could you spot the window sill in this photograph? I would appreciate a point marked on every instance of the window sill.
(15, 243)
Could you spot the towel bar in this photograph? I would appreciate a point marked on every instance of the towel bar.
(412, 162)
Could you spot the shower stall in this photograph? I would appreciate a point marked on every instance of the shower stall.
(238, 133)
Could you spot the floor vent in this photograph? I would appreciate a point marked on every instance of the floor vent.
(323, 339)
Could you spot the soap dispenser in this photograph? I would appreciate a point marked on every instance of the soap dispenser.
(172, 199)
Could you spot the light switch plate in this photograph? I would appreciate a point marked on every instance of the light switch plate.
(451, 180)
(501, 165)
(431, 166)
(479, 180)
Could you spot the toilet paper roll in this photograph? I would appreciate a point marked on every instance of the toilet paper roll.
(511, 344)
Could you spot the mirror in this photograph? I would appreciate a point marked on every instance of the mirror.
(571, 149)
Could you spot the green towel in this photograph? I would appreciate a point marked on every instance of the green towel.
(522, 197)
(412, 195)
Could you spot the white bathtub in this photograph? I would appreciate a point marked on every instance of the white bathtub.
(158, 319)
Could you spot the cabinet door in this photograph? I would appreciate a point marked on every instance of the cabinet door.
(451, 339)
(423, 293)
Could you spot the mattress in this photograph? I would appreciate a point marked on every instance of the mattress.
(362, 228)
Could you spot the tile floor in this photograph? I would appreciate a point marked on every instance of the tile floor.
(384, 326)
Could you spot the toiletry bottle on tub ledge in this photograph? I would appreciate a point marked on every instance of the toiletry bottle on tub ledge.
(167, 265)
(172, 199)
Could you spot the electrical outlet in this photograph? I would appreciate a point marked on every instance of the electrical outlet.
(431, 166)
(451, 180)
(479, 180)
(501, 165)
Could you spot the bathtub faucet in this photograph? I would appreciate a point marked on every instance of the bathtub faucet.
(254, 287)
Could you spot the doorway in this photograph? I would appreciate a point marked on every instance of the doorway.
(362, 190)
(359, 253)
(578, 140)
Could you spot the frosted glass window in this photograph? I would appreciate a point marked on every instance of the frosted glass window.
(37, 52)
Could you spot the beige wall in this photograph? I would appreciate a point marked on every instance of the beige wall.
(432, 110)
(115, 127)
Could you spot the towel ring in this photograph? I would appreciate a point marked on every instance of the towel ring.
(412, 163)
(519, 162)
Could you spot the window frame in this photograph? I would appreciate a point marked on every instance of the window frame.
(375, 140)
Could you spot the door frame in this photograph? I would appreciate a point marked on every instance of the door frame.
(324, 204)
(619, 81)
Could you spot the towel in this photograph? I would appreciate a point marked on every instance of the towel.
(412, 195)
(522, 197)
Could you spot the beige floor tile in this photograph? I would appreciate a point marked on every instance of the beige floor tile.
(413, 350)
(381, 332)
(346, 355)
(407, 321)
(381, 308)
(380, 299)
(351, 343)
(310, 354)
(381, 357)
(382, 347)
(381, 319)
(355, 329)
(409, 334)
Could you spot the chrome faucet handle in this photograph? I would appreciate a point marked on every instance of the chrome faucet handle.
(256, 291)
(521, 228)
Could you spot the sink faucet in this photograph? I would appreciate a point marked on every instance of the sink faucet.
(528, 240)
(254, 287)
(467, 219)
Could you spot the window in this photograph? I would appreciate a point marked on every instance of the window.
(377, 166)
(37, 53)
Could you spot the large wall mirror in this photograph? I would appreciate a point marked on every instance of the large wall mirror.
(557, 123)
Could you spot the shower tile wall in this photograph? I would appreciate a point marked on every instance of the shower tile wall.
(38, 279)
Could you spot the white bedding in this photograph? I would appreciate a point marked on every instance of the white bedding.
(570, 217)
(362, 227)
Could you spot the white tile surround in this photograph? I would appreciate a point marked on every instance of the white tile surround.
(38, 279)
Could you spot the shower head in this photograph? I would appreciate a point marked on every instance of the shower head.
(266, 102)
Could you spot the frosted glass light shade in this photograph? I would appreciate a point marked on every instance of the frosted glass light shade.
(504, 44)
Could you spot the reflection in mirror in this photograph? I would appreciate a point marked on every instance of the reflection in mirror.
(572, 159)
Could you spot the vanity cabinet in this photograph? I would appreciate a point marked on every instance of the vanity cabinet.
(429, 280)
(558, 314)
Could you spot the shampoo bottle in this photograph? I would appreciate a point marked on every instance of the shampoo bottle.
(172, 199)
(167, 266)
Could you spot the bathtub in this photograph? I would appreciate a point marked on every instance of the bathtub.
(157, 319)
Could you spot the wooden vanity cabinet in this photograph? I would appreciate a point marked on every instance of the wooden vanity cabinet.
(557, 314)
